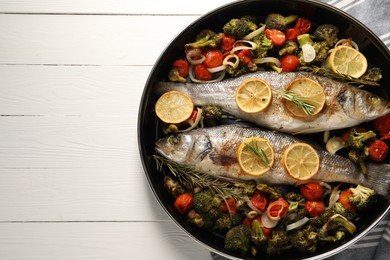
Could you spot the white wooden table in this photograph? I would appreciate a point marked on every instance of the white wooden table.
(71, 77)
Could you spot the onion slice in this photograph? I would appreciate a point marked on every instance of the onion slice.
(243, 47)
(267, 60)
(334, 196)
(226, 60)
(195, 56)
(348, 42)
(217, 69)
(334, 144)
(254, 33)
(250, 204)
(309, 53)
(267, 222)
(196, 122)
(220, 76)
(297, 224)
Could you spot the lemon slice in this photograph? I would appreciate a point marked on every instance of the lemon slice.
(347, 60)
(301, 161)
(255, 156)
(253, 95)
(310, 97)
(174, 107)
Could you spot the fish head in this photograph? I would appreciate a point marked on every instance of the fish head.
(363, 105)
(184, 148)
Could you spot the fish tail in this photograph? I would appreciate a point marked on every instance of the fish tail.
(378, 178)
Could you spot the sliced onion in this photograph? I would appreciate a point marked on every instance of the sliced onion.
(196, 122)
(220, 76)
(267, 222)
(334, 144)
(217, 69)
(249, 203)
(326, 136)
(195, 56)
(252, 214)
(309, 53)
(226, 60)
(326, 185)
(243, 47)
(334, 196)
(267, 60)
(297, 224)
(349, 42)
(254, 33)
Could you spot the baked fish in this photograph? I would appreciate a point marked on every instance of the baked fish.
(213, 151)
(345, 105)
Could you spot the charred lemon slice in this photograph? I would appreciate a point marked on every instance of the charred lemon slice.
(301, 161)
(255, 156)
(348, 61)
(253, 95)
(174, 107)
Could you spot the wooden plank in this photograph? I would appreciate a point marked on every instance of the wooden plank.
(65, 241)
(109, 6)
(86, 39)
(71, 90)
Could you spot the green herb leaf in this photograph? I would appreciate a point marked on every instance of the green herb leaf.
(259, 153)
(298, 100)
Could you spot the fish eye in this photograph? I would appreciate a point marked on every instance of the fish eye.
(173, 139)
(373, 100)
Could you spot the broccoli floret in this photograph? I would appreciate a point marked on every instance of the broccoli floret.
(278, 241)
(319, 221)
(257, 235)
(211, 115)
(240, 27)
(290, 47)
(278, 21)
(358, 157)
(321, 49)
(272, 192)
(227, 221)
(174, 187)
(241, 69)
(206, 38)
(336, 229)
(237, 239)
(373, 74)
(263, 45)
(362, 197)
(305, 39)
(350, 214)
(296, 208)
(205, 200)
(200, 220)
(295, 197)
(328, 33)
(169, 129)
(173, 75)
(305, 240)
(357, 139)
(247, 188)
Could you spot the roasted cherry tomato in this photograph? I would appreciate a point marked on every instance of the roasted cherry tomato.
(303, 25)
(259, 200)
(312, 191)
(202, 73)
(314, 208)
(183, 203)
(213, 59)
(289, 62)
(277, 37)
(378, 150)
(182, 66)
(246, 57)
(277, 209)
(382, 124)
(292, 34)
(227, 42)
(344, 199)
(229, 206)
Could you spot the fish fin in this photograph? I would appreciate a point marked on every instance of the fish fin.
(378, 178)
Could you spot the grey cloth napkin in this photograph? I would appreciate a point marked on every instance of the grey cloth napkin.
(375, 14)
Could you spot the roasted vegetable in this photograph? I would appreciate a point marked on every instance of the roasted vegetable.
(328, 33)
(257, 235)
(241, 69)
(205, 200)
(373, 74)
(272, 192)
(362, 197)
(358, 139)
(349, 213)
(240, 27)
(278, 241)
(305, 240)
(174, 187)
(227, 221)
(237, 239)
(206, 38)
(336, 229)
(211, 115)
(278, 21)
(174, 76)
(290, 47)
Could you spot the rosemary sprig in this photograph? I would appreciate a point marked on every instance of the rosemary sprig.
(298, 100)
(192, 179)
(259, 153)
(341, 77)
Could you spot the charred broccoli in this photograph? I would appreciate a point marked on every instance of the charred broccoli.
(211, 115)
(173, 75)
(237, 239)
(206, 38)
(278, 241)
(373, 74)
(336, 229)
(305, 240)
(241, 69)
(350, 214)
(290, 47)
(296, 208)
(227, 221)
(272, 192)
(357, 139)
(205, 220)
(263, 45)
(328, 33)
(257, 235)
(247, 188)
(174, 187)
(362, 197)
(278, 21)
(205, 200)
(240, 27)
(321, 49)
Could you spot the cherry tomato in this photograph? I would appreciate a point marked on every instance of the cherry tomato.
(183, 203)
(378, 150)
(227, 42)
(344, 199)
(182, 66)
(277, 209)
(277, 37)
(303, 25)
(229, 206)
(213, 59)
(248, 222)
(314, 208)
(312, 191)
(192, 118)
(246, 57)
(289, 62)
(292, 34)
(259, 200)
(202, 73)
(382, 124)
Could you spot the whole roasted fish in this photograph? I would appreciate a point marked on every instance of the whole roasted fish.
(345, 105)
(213, 151)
